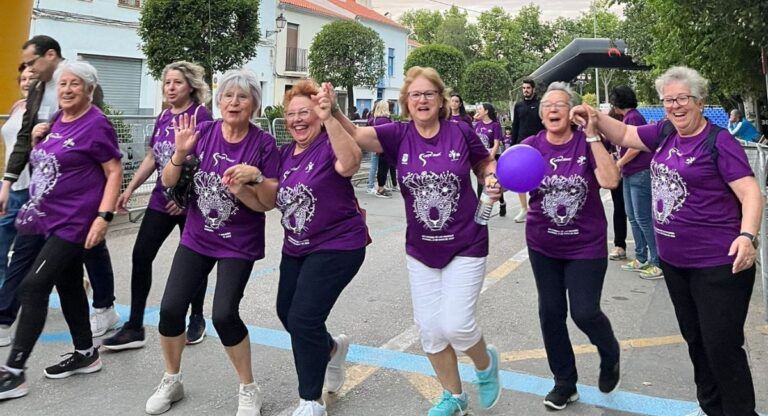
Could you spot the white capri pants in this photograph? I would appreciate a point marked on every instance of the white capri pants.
(445, 302)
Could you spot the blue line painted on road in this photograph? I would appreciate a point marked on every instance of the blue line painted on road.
(413, 363)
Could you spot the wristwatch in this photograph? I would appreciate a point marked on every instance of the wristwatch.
(593, 139)
(106, 215)
(752, 238)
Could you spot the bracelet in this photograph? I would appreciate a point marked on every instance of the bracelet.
(178, 166)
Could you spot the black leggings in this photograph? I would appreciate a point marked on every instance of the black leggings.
(711, 306)
(309, 287)
(58, 263)
(383, 169)
(619, 217)
(189, 273)
(582, 282)
(155, 228)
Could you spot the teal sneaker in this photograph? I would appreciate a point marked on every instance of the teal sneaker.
(487, 382)
(450, 406)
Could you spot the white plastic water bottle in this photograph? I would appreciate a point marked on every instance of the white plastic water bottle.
(484, 208)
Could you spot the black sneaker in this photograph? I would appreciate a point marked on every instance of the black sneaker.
(125, 339)
(503, 210)
(560, 396)
(610, 378)
(76, 363)
(11, 385)
(196, 329)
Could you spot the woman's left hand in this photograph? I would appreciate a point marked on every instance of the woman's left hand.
(323, 104)
(745, 254)
(493, 187)
(96, 233)
(240, 175)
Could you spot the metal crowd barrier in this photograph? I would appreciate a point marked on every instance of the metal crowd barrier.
(758, 160)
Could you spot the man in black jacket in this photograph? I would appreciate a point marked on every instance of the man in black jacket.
(42, 54)
(526, 123)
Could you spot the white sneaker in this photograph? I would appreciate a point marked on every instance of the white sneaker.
(5, 335)
(310, 408)
(249, 400)
(520, 217)
(334, 373)
(170, 390)
(103, 319)
(371, 191)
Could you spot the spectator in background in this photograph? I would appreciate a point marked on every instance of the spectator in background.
(526, 122)
(366, 114)
(381, 116)
(353, 113)
(740, 127)
(458, 112)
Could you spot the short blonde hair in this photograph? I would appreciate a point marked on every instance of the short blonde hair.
(381, 109)
(432, 76)
(195, 76)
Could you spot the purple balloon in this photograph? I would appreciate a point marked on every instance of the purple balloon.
(520, 168)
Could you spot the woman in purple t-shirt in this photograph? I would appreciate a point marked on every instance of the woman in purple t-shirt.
(445, 247)
(489, 130)
(566, 232)
(76, 176)
(458, 112)
(234, 185)
(185, 91)
(706, 209)
(325, 238)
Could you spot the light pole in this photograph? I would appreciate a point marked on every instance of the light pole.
(280, 22)
(582, 79)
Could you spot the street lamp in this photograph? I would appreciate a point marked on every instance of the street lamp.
(279, 23)
(581, 80)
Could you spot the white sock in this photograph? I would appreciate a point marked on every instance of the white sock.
(174, 377)
(14, 371)
(87, 352)
(462, 396)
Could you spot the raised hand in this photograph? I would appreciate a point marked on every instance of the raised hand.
(322, 104)
(185, 133)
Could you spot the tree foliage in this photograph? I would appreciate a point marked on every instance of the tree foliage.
(451, 28)
(447, 60)
(218, 38)
(485, 81)
(423, 24)
(347, 54)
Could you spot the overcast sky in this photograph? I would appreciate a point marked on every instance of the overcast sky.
(551, 9)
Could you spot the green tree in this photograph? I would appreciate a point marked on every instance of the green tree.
(423, 24)
(447, 60)
(485, 81)
(456, 31)
(346, 53)
(218, 38)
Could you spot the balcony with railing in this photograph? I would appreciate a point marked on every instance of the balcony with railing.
(130, 3)
(295, 59)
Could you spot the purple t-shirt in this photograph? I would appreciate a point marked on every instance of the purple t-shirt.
(434, 178)
(459, 119)
(642, 161)
(320, 211)
(218, 224)
(566, 219)
(488, 133)
(68, 181)
(163, 144)
(696, 214)
(378, 121)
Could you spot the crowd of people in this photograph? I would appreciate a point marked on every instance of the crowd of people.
(219, 177)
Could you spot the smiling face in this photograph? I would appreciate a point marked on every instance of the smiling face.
(424, 100)
(236, 106)
(24, 78)
(554, 112)
(176, 89)
(687, 117)
(72, 93)
(302, 122)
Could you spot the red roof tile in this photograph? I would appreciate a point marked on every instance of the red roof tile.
(308, 5)
(362, 11)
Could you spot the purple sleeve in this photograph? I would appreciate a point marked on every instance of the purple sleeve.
(206, 130)
(477, 150)
(530, 141)
(104, 142)
(154, 129)
(732, 161)
(497, 131)
(268, 160)
(203, 114)
(635, 119)
(390, 135)
(649, 135)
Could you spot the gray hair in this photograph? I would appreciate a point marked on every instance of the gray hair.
(691, 78)
(736, 112)
(243, 79)
(81, 69)
(194, 74)
(562, 87)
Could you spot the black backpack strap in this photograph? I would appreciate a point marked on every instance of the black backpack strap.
(712, 142)
(667, 130)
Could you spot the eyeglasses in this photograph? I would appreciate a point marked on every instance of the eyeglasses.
(557, 106)
(301, 114)
(31, 61)
(681, 100)
(428, 95)
(230, 97)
